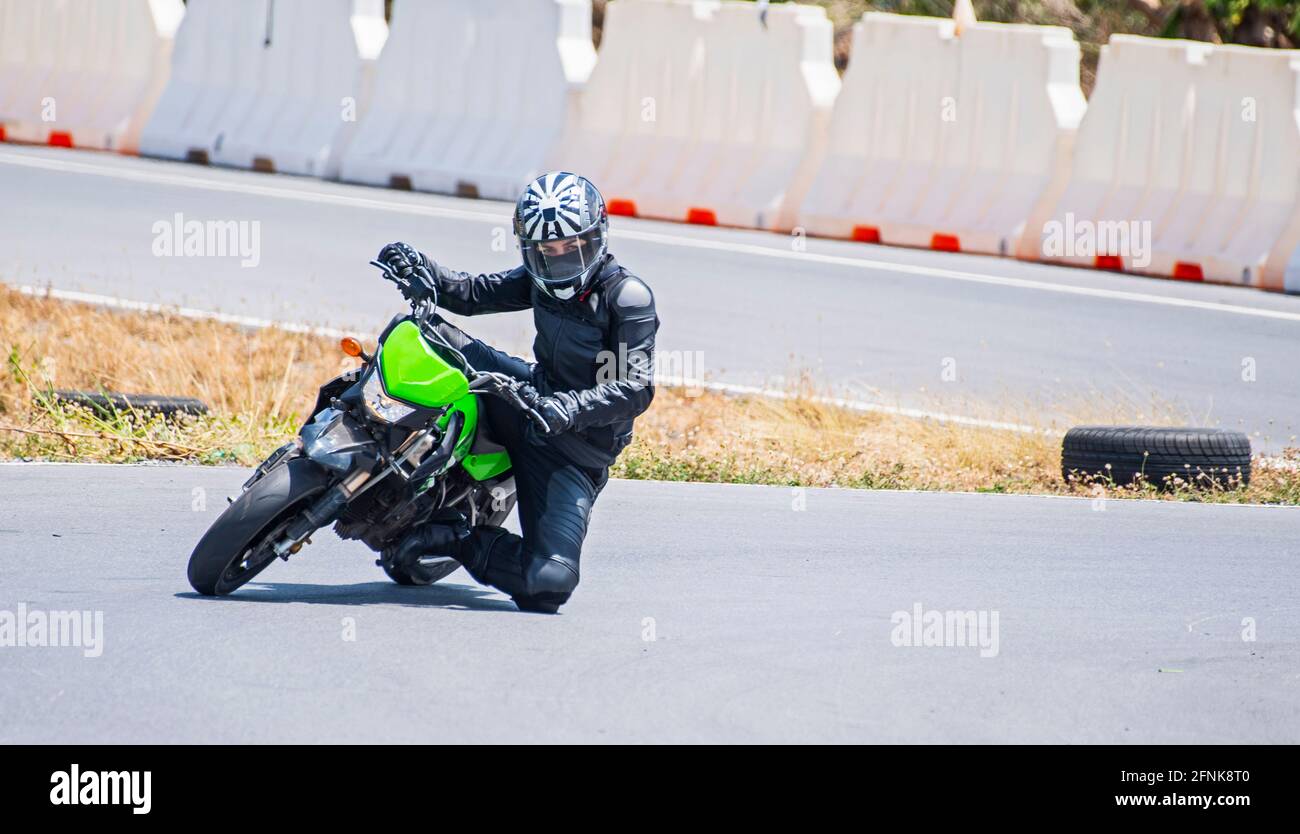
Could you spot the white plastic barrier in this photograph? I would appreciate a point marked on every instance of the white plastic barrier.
(637, 111)
(947, 141)
(1282, 269)
(706, 111)
(21, 69)
(217, 59)
(471, 97)
(316, 75)
(1188, 164)
(83, 72)
(268, 84)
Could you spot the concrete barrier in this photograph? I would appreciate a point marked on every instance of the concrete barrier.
(1282, 269)
(217, 60)
(400, 104)
(83, 73)
(944, 141)
(316, 76)
(471, 98)
(1188, 165)
(634, 119)
(706, 112)
(275, 85)
(1279, 167)
(25, 60)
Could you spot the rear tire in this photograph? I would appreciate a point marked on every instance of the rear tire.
(1200, 457)
(279, 495)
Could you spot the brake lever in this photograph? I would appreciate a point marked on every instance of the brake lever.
(538, 420)
(390, 275)
(530, 412)
(507, 387)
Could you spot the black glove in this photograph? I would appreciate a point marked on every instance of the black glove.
(409, 269)
(551, 409)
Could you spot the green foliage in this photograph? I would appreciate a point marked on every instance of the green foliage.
(1254, 22)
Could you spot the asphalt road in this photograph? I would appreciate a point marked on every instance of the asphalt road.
(1119, 622)
(1022, 341)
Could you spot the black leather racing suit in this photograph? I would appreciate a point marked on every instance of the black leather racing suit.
(595, 355)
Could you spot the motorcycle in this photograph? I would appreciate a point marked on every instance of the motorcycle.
(396, 441)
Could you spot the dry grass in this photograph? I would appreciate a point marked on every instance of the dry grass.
(800, 442)
(258, 384)
(261, 383)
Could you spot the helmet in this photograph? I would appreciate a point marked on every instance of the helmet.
(562, 228)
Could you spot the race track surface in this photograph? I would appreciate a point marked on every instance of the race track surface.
(1020, 341)
(1118, 622)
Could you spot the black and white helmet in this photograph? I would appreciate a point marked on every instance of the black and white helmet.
(562, 228)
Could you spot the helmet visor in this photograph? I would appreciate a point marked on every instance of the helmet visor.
(565, 258)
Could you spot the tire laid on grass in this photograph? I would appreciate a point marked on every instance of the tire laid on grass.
(1200, 457)
(105, 403)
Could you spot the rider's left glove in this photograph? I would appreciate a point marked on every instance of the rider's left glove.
(557, 417)
(553, 412)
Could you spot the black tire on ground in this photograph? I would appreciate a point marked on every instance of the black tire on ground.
(1200, 457)
(279, 495)
(105, 403)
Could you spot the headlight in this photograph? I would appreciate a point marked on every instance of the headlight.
(380, 405)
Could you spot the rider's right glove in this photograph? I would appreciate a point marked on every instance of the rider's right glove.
(409, 269)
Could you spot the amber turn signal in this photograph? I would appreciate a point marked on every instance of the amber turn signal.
(350, 346)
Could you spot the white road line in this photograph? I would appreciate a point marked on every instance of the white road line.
(400, 207)
(115, 303)
(161, 177)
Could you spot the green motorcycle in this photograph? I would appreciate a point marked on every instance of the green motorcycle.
(392, 443)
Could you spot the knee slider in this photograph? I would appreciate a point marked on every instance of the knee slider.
(550, 578)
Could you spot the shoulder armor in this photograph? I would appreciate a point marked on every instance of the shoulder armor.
(631, 295)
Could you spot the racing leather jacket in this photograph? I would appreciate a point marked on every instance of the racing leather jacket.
(595, 353)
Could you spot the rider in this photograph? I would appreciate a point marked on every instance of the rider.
(596, 328)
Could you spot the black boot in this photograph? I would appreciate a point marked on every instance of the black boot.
(436, 537)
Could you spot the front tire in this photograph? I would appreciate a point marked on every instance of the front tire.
(229, 554)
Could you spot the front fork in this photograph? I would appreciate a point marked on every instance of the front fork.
(336, 441)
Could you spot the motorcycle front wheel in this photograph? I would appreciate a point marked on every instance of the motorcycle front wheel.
(235, 548)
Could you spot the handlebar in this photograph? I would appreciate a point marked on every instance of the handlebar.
(486, 382)
(506, 387)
